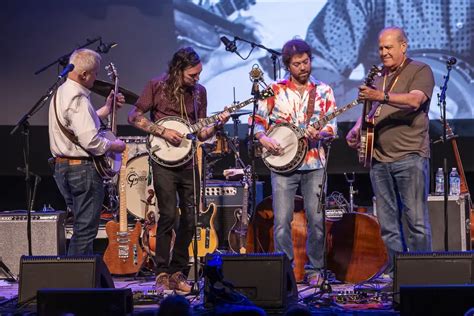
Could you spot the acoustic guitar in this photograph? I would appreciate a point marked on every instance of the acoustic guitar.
(123, 255)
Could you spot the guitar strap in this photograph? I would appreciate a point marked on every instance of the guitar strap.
(389, 87)
(375, 111)
(66, 132)
(311, 101)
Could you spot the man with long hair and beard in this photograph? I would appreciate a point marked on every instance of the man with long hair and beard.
(175, 93)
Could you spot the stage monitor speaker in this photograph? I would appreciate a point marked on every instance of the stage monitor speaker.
(85, 302)
(267, 280)
(459, 231)
(432, 268)
(227, 196)
(47, 236)
(61, 272)
(436, 300)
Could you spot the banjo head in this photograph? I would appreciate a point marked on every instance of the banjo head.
(166, 154)
(289, 138)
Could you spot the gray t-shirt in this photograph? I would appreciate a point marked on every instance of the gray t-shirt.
(401, 132)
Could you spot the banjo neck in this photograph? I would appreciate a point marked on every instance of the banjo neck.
(232, 108)
(328, 117)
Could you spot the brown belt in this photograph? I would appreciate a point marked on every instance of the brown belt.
(72, 160)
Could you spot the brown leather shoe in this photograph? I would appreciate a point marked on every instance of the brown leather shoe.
(178, 282)
(162, 283)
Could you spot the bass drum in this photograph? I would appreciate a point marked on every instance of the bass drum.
(355, 250)
(140, 193)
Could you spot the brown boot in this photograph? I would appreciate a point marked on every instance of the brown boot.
(162, 283)
(178, 282)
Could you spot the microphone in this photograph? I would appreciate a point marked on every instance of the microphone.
(451, 61)
(66, 70)
(229, 45)
(104, 48)
(256, 73)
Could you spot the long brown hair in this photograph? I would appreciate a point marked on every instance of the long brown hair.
(184, 58)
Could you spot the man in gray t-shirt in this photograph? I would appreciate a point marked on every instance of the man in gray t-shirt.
(400, 164)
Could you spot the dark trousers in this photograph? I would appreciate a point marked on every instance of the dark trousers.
(173, 185)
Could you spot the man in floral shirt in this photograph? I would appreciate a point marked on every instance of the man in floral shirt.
(290, 104)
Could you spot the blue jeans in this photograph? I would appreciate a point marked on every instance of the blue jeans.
(284, 190)
(83, 190)
(401, 189)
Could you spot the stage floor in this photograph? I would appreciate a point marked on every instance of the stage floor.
(372, 297)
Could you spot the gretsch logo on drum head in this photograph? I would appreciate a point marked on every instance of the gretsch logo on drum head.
(133, 178)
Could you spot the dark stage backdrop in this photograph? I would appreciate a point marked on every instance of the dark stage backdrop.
(343, 35)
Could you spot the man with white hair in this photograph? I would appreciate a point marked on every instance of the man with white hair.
(80, 184)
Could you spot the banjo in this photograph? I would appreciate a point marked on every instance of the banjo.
(293, 141)
(108, 165)
(168, 155)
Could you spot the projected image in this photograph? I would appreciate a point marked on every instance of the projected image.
(343, 35)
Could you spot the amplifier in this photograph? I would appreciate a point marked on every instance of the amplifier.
(228, 196)
(459, 232)
(47, 236)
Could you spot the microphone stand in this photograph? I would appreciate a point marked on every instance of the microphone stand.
(23, 122)
(63, 60)
(256, 94)
(442, 105)
(274, 53)
(195, 288)
(325, 286)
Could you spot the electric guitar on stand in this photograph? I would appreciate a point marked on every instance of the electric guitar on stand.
(124, 254)
(206, 234)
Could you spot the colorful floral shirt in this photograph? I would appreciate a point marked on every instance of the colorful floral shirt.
(289, 106)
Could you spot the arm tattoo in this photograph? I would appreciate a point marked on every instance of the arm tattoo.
(139, 120)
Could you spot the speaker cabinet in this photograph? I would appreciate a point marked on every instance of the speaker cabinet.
(85, 302)
(436, 300)
(47, 236)
(459, 232)
(227, 196)
(433, 268)
(61, 272)
(265, 279)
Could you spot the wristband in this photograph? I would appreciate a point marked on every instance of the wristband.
(386, 98)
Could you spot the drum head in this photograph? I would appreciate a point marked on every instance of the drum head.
(139, 187)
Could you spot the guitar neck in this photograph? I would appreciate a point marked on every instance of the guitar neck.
(325, 119)
(464, 187)
(245, 200)
(123, 223)
(113, 112)
(214, 118)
